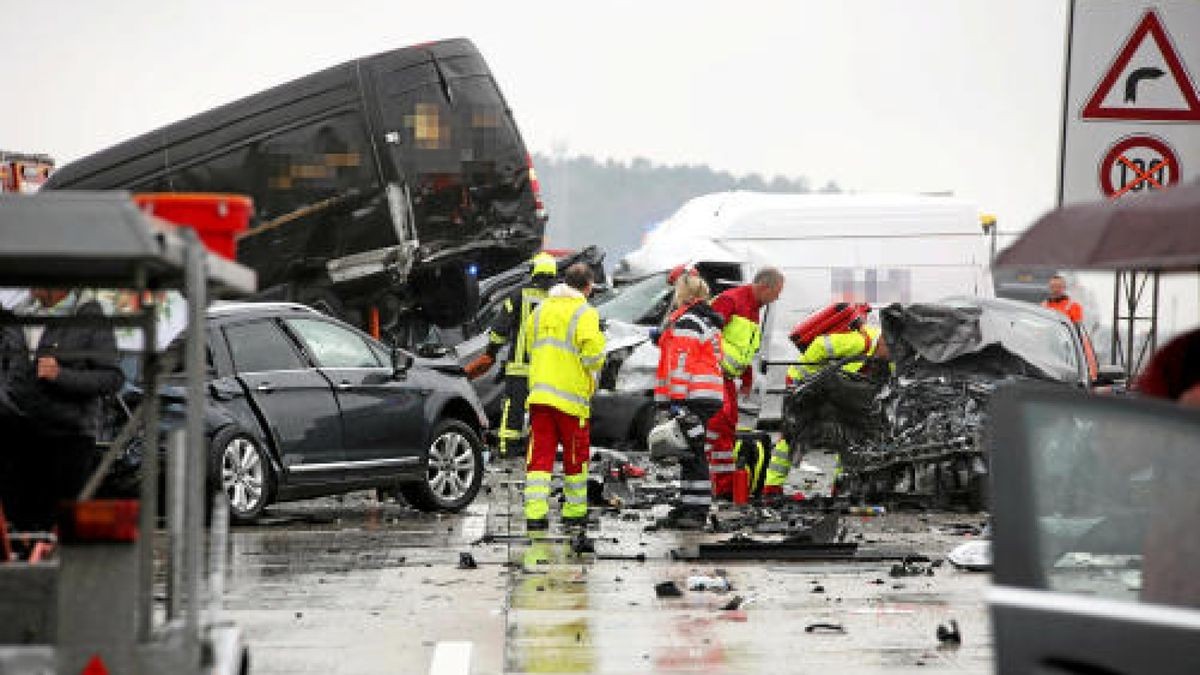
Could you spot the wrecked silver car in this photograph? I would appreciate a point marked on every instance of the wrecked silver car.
(918, 438)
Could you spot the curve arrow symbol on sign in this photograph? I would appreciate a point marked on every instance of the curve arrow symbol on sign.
(1135, 78)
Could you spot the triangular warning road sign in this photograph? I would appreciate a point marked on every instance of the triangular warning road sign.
(1105, 104)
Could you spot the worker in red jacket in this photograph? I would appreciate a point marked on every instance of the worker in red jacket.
(741, 337)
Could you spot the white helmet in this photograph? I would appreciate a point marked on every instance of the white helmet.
(666, 440)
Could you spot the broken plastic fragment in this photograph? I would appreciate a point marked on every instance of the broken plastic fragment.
(703, 583)
(734, 603)
(975, 556)
(667, 589)
(825, 628)
(951, 635)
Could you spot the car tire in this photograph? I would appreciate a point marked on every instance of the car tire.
(454, 471)
(241, 471)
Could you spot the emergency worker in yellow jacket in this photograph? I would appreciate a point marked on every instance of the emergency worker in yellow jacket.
(858, 343)
(566, 352)
(506, 331)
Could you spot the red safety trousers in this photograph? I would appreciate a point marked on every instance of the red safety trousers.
(550, 427)
(719, 440)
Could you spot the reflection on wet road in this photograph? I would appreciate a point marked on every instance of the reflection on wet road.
(354, 586)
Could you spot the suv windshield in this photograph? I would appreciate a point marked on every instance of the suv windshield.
(1114, 500)
(638, 302)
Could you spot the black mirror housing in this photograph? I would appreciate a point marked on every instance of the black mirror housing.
(1108, 375)
(402, 361)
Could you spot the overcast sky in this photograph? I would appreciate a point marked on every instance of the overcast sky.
(930, 95)
(907, 95)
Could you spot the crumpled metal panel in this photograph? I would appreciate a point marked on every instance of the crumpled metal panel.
(926, 339)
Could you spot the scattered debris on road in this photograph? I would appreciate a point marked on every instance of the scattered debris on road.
(668, 589)
(836, 628)
(949, 636)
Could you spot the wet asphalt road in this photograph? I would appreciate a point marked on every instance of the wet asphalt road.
(352, 585)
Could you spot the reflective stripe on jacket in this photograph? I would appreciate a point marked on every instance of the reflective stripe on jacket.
(741, 335)
(834, 346)
(510, 324)
(566, 351)
(740, 341)
(690, 356)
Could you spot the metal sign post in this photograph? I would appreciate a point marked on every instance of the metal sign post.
(1131, 124)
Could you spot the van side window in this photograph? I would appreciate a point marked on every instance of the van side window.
(462, 156)
(431, 162)
(289, 170)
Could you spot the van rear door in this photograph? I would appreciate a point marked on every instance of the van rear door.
(450, 138)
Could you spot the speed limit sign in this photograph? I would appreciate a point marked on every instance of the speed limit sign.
(1137, 163)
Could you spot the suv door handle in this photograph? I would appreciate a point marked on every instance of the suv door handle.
(265, 388)
(344, 385)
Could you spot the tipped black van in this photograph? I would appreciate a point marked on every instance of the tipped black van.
(382, 187)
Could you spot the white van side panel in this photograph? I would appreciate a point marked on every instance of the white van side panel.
(872, 248)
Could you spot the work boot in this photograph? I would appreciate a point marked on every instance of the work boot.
(536, 524)
(579, 522)
(680, 518)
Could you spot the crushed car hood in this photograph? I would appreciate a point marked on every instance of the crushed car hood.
(927, 339)
(618, 335)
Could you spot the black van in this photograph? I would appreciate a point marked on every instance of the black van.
(382, 187)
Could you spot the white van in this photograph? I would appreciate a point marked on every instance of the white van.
(876, 248)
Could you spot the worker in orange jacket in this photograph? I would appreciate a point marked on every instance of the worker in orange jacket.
(690, 386)
(1060, 301)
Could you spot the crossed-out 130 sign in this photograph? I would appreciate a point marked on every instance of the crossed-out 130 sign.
(1136, 163)
(1132, 110)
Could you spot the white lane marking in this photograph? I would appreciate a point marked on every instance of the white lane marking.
(451, 658)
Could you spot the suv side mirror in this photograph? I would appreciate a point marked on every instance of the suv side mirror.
(432, 350)
(1108, 375)
(401, 362)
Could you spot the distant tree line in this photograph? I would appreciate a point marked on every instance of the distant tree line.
(613, 204)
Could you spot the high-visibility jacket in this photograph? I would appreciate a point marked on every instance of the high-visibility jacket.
(778, 468)
(566, 352)
(509, 323)
(1067, 306)
(835, 346)
(741, 336)
(689, 358)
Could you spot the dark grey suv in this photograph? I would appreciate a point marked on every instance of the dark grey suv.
(301, 405)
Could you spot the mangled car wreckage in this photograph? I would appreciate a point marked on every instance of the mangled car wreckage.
(914, 435)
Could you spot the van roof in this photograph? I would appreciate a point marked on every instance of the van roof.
(131, 161)
(757, 215)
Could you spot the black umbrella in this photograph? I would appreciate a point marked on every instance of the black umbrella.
(1157, 231)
